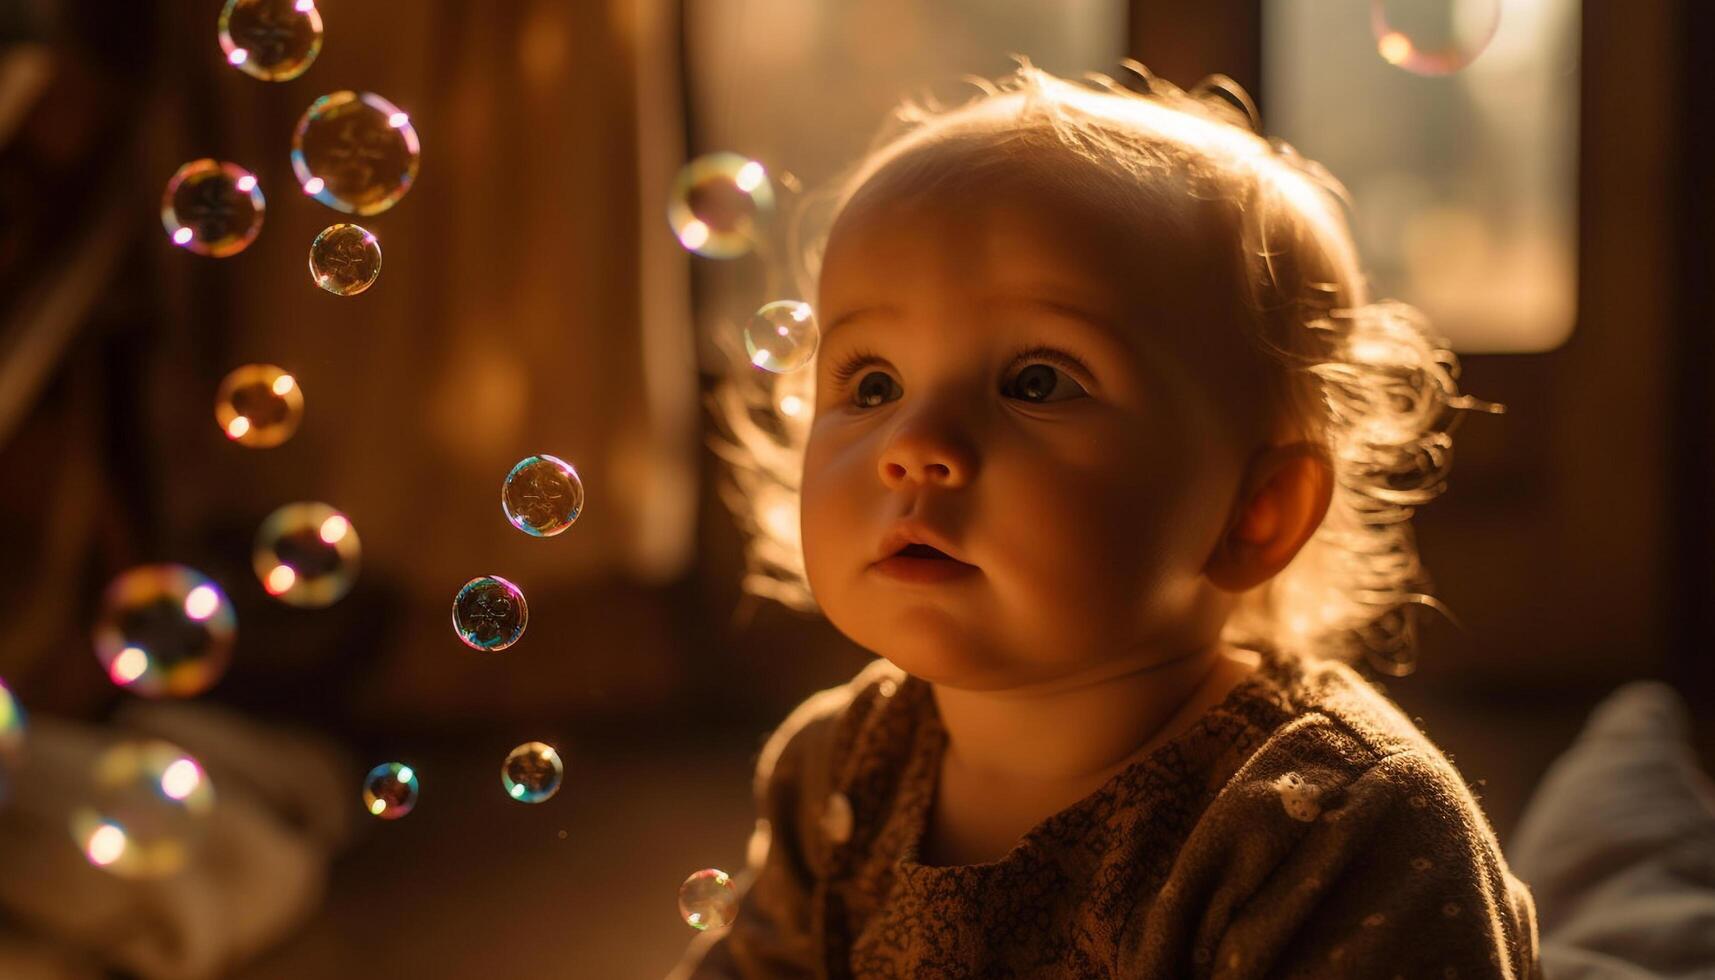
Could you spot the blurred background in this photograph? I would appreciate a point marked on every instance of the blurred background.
(1543, 192)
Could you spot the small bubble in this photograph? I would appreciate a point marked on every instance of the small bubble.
(144, 809)
(258, 405)
(708, 899)
(355, 152)
(274, 40)
(165, 631)
(781, 336)
(212, 208)
(489, 613)
(542, 496)
(11, 739)
(345, 259)
(306, 554)
(716, 202)
(532, 772)
(1433, 37)
(390, 790)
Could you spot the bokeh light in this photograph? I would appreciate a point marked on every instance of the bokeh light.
(146, 809)
(708, 899)
(11, 739)
(532, 772)
(355, 152)
(212, 208)
(165, 631)
(781, 336)
(542, 495)
(345, 259)
(307, 554)
(489, 613)
(274, 40)
(1433, 37)
(390, 790)
(716, 203)
(258, 405)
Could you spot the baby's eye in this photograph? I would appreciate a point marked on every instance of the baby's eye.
(1040, 383)
(873, 389)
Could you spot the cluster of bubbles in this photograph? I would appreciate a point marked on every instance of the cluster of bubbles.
(1433, 37)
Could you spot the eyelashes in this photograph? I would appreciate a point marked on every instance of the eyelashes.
(855, 361)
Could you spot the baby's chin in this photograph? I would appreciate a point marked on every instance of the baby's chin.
(936, 650)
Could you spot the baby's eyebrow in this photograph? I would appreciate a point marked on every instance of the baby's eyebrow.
(861, 313)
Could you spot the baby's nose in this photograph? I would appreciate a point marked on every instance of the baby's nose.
(927, 458)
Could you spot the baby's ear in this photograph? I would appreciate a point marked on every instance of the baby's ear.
(1280, 504)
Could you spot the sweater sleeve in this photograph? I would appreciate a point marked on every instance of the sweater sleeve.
(774, 933)
(1397, 874)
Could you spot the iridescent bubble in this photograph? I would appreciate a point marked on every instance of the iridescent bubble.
(306, 555)
(274, 40)
(781, 336)
(146, 809)
(716, 203)
(390, 790)
(355, 152)
(165, 631)
(11, 738)
(345, 259)
(489, 613)
(532, 772)
(1433, 37)
(212, 208)
(542, 495)
(708, 899)
(259, 405)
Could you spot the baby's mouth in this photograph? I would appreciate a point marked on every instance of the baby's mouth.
(922, 551)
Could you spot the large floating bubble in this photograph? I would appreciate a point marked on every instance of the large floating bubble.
(306, 554)
(542, 495)
(355, 152)
(259, 405)
(165, 631)
(716, 203)
(781, 336)
(345, 259)
(212, 208)
(489, 613)
(274, 40)
(146, 809)
(1433, 37)
(708, 899)
(532, 772)
(390, 790)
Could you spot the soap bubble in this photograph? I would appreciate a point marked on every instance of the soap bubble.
(306, 555)
(212, 208)
(1433, 37)
(165, 631)
(542, 495)
(490, 614)
(274, 40)
(345, 259)
(355, 152)
(532, 772)
(259, 405)
(707, 899)
(716, 202)
(390, 790)
(146, 809)
(781, 336)
(11, 737)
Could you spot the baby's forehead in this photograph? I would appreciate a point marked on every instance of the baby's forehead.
(1127, 250)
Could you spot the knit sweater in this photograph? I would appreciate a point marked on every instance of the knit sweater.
(1303, 827)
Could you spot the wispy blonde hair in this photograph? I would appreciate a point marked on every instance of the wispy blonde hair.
(1368, 380)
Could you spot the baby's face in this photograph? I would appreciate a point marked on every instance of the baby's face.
(1087, 481)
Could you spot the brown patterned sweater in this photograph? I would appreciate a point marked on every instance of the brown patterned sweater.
(1301, 828)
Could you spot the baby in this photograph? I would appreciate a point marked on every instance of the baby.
(1111, 460)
